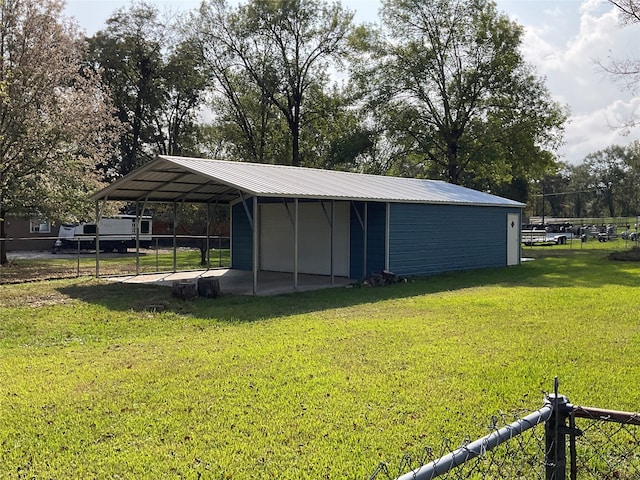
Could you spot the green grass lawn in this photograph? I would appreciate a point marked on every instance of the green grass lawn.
(311, 385)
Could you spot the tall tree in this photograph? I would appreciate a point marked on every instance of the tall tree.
(248, 126)
(55, 122)
(607, 170)
(449, 81)
(554, 192)
(282, 47)
(606, 183)
(581, 185)
(184, 84)
(157, 81)
(128, 53)
(630, 194)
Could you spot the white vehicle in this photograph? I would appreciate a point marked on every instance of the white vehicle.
(116, 234)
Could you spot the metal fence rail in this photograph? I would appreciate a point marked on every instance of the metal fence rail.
(576, 443)
(515, 454)
(479, 447)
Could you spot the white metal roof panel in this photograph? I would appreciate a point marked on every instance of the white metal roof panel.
(200, 180)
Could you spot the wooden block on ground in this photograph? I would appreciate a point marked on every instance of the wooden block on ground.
(208, 287)
(185, 290)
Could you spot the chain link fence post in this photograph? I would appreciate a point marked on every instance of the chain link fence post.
(555, 430)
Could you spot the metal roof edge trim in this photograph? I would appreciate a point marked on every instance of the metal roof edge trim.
(397, 200)
(352, 199)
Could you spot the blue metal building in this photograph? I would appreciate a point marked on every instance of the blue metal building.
(302, 220)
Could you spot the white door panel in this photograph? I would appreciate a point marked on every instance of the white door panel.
(314, 234)
(513, 239)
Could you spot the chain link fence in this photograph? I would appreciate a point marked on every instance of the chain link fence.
(606, 444)
(558, 442)
(517, 458)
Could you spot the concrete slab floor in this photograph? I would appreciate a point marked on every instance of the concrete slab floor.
(240, 282)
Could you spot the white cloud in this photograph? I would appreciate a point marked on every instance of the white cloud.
(598, 129)
(565, 44)
(594, 37)
(556, 11)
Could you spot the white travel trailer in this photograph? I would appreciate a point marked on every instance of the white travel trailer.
(116, 234)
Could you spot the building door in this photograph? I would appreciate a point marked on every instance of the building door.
(513, 239)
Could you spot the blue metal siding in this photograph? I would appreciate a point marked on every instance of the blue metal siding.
(426, 239)
(377, 218)
(356, 256)
(241, 238)
(423, 238)
(376, 222)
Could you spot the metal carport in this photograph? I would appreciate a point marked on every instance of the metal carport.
(195, 180)
(192, 180)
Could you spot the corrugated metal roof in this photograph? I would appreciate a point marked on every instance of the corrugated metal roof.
(169, 179)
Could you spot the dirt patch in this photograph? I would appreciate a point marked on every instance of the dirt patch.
(15, 272)
(632, 255)
(32, 296)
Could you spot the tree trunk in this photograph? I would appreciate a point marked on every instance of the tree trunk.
(208, 287)
(203, 255)
(3, 236)
(611, 203)
(453, 170)
(184, 290)
(130, 160)
(295, 137)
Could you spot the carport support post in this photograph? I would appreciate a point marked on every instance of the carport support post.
(137, 225)
(331, 218)
(255, 244)
(363, 225)
(333, 222)
(387, 241)
(78, 258)
(175, 241)
(208, 256)
(296, 218)
(139, 214)
(97, 242)
(366, 235)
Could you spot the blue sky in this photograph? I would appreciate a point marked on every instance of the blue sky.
(564, 39)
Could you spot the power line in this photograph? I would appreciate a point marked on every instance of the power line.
(564, 193)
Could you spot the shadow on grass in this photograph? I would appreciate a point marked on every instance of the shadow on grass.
(571, 270)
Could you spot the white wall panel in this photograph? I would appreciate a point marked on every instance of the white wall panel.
(276, 239)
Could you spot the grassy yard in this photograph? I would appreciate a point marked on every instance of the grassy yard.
(94, 384)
